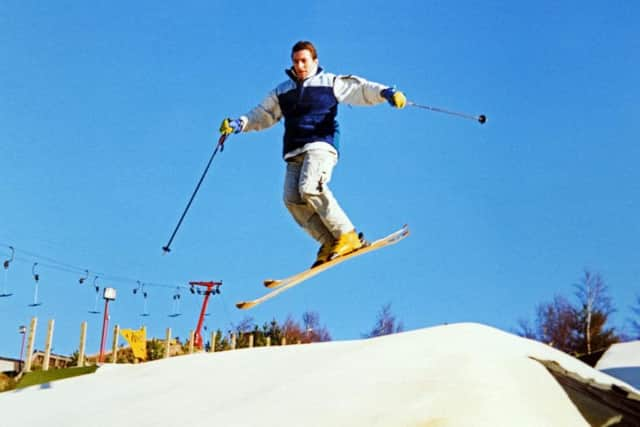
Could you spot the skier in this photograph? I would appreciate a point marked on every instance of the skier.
(308, 101)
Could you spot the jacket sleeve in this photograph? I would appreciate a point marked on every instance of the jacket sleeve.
(357, 91)
(263, 116)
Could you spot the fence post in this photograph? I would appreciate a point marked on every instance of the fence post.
(32, 337)
(83, 340)
(251, 340)
(283, 341)
(268, 342)
(114, 348)
(191, 338)
(47, 346)
(233, 341)
(167, 344)
(214, 334)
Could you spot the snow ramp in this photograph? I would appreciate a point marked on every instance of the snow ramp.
(462, 375)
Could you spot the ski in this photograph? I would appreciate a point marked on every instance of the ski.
(280, 285)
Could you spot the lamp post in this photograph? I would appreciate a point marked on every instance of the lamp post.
(23, 331)
(109, 295)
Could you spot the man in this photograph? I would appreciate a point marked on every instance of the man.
(308, 101)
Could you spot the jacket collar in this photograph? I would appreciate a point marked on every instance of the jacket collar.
(292, 74)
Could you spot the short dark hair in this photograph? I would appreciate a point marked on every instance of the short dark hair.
(302, 45)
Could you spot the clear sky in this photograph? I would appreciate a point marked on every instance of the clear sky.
(109, 113)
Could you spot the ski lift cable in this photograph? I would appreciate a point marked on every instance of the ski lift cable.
(53, 261)
(225, 309)
(51, 266)
(49, 263)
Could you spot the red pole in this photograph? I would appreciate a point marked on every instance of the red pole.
(105, 323)
(197, 336)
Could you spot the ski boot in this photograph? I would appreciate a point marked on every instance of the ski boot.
(347, 243)
(323, 253)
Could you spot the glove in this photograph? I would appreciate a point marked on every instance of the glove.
(229, 126)
(394, 97)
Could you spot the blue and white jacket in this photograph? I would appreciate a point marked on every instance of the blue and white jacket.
(309, 108)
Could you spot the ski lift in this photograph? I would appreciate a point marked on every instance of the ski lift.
(137, 288)
(83, 279)
(140, 288)
(145, 311)
(5, 292)
(95, 304)
(36, 277)
(176, 303)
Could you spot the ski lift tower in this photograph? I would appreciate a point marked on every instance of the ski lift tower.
(211, 288)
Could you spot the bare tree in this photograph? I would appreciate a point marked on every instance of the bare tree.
(310, 331)
(575, 328)
(386, 323)
(242, 331)
(595, 302)
(526, 330)
(315, 332)
(291, 330)
(556, 322)
(635, 322)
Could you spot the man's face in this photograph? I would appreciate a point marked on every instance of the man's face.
(303, 64)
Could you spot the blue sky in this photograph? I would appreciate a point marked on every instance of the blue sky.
(109, 113)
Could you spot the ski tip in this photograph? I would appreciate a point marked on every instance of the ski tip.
(245, 305)
(272, 283)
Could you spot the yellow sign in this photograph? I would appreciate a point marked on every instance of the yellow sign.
(137, 340)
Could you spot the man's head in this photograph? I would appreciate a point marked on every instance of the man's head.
(305, 59)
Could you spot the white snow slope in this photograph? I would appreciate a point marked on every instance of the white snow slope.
(457, 375)
(622, 361)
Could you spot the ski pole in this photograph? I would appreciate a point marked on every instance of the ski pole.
(219, 147)
(481, 118)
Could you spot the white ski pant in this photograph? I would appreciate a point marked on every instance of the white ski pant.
(309, 199)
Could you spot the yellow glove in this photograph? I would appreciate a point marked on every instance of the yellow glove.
(399, 99)
(394, 97)
(229, 126)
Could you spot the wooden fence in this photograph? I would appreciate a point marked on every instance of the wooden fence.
(83, 359)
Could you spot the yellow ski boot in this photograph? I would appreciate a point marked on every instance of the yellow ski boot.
(346, 243)
(323, 253)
